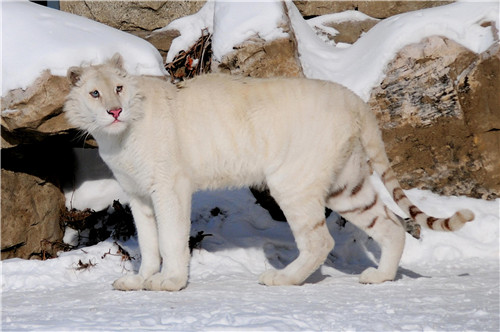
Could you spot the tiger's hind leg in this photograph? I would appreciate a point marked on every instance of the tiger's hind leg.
(359, 203)
(306, 218)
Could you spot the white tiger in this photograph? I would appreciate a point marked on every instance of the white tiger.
(308, 140)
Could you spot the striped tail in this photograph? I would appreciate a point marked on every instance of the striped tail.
(374, 147)
(450, 224)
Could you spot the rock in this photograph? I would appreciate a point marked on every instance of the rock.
(345, 31)
(262, 59)
(132, 15)
(31, 115)
(377, 9)
(418, 87)
(259, 58)
(350, 31)
(32, 198)
(480, 99)
(161, 40)
(36, 160)
(428, 104)
(140, 18)
(31, 208)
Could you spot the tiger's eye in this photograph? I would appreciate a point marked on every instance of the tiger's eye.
(119, 88)
(95, 94)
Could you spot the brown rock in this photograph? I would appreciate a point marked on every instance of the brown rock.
(263, 59)
(374, 8)
(132, 15)
(479, 96)
(426, 103)
(161, 40)
(482, 110)
(258, 58)
(31, 209)
(419, 85)
(348, 31)
(36, 112)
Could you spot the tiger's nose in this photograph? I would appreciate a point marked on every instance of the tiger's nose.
(115, 112)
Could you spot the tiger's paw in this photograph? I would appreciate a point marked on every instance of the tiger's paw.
(129, 282)
(374, 276)
(275, 278)
(160, 282)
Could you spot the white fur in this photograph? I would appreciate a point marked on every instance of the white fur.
(301, 137)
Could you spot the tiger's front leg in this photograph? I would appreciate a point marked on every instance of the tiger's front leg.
(148, 243)
(172, 210)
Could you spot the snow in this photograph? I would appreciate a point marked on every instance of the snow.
(320, 24)
(361, 66)
(235, 24)
(36, 38)
(230, 25)
(446, 281)
(432, 292)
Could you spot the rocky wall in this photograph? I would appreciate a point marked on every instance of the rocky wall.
(132, 15)
(374, 8)
(439, 110)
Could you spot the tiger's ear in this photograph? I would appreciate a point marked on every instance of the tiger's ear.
(74, 74)
(117, 61)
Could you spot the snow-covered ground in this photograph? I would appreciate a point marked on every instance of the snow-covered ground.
(445, 282)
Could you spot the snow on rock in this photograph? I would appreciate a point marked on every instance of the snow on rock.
(321, 24)
(360, 67)
(231, 24)
(236, 22)
(347, 16)
(36, 38)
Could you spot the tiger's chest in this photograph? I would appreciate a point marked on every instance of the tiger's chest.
(134, 173)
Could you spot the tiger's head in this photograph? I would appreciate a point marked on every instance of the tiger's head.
(103, 98)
